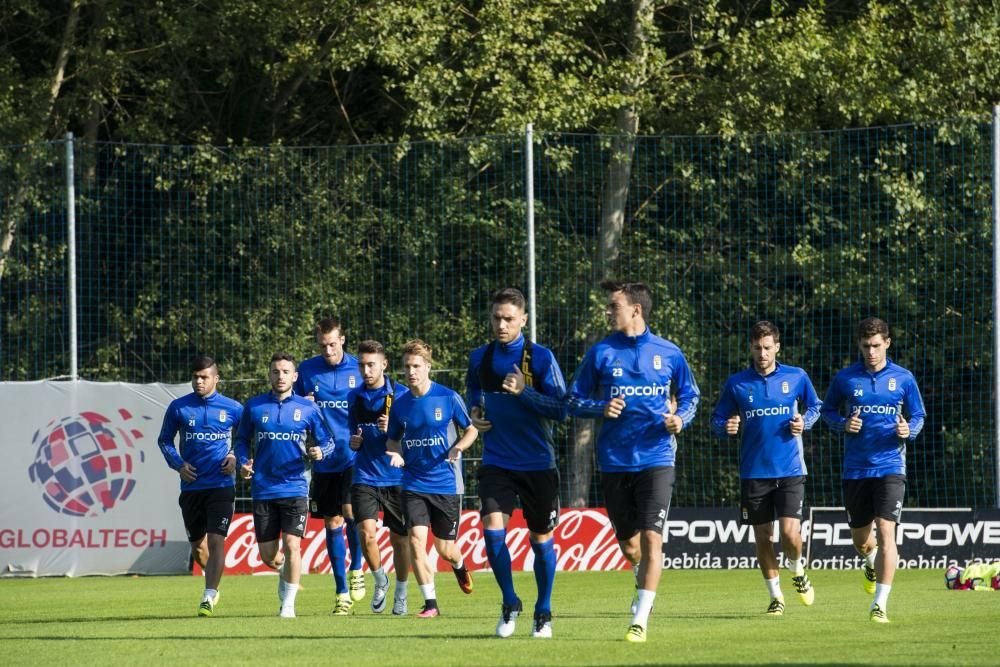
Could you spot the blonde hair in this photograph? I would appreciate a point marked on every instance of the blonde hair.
(418, 348)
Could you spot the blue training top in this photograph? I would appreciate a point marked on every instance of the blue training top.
(879, 398)
(279, 431)
(521, 437)
(371, 463)
(643, 370)
(765, 405)
(206, 426)
(425, 428)
(330, 386)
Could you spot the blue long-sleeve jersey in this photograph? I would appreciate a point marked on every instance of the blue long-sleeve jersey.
(522, 433)
(279, 432)
(371, 463)
(878, 398)
(205, 426)
(643, 370)
(330, 386)
(425, 428)
(765, 405)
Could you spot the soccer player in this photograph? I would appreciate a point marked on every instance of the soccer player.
(423, 441)
(376, 483)
(628, 379)
(778, 403)
(327, 379)
(503, 381)
(279, 423)
(869, 402)
(205, 419)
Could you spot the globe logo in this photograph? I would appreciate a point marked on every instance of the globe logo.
(83, 464)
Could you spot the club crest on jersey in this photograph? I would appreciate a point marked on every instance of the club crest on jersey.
(784, 387)
(297, 415)
(657, 362)
(437, 414)
(892, 384)
(191, 421)
(352, 381)
(222, 416)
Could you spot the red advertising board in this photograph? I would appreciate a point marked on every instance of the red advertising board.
(584, 540)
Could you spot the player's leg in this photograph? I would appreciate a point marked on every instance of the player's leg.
(446, 510)
(889, 493)
(392, 518)
(539, 493)
(219, 506)
(496, 502)
(355, 576)
(293, 527)
(858, 501)
(418, 519)
(364, 500)
(651, 492)
(616, 489)
(757, 510)
(193, 515)
(789, 498)
(328, 504)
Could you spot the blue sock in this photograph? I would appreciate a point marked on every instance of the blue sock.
(337, 549)
(545, 574)
(354, 544)
(499, 557)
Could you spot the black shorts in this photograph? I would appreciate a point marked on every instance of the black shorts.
(366, 501)
(440, 511)
(638, 500)
(764, 500)
(281, 515)
(866, 499)
(538, 491)
(330, 492)
(207, 511)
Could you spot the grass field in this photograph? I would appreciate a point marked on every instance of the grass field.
(700, 617)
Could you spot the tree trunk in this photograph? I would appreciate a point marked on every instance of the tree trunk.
(613, 201)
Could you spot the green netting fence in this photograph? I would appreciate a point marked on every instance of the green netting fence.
(235, 252)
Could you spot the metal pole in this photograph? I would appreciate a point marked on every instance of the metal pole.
(996, 302)
(529, 186)
(71, 234)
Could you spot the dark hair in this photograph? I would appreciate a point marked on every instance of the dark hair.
(872, 326)
(509, 295)
(763, 329)
(328, 324)
(371, 347)
(635, 293)
(201, 363)
(282, 356)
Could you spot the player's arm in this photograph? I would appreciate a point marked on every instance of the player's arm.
(830, 411)
(688, 394)
(586, 382)
(725, 409)
(394, 435)
(809, 398)
(474, 394)
(914, 404)
(244, 431)
(323, 437)
(550, 402)
(462, 420)
(168, 431)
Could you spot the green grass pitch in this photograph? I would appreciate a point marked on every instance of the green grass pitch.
(700, 617)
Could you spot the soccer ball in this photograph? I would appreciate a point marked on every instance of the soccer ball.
(952, 576)
(84, 465)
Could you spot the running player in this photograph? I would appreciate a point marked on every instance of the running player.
(278, 424)
(628, 379)
(424, 442)
(519, 463)
(205, 419)
(775, 404)
(327, 379)
(869, 402)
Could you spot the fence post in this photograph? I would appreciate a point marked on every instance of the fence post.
(529, 187)
(996, 302)
(71, 237)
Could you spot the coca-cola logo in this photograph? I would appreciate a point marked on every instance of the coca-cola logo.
(584, 540)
